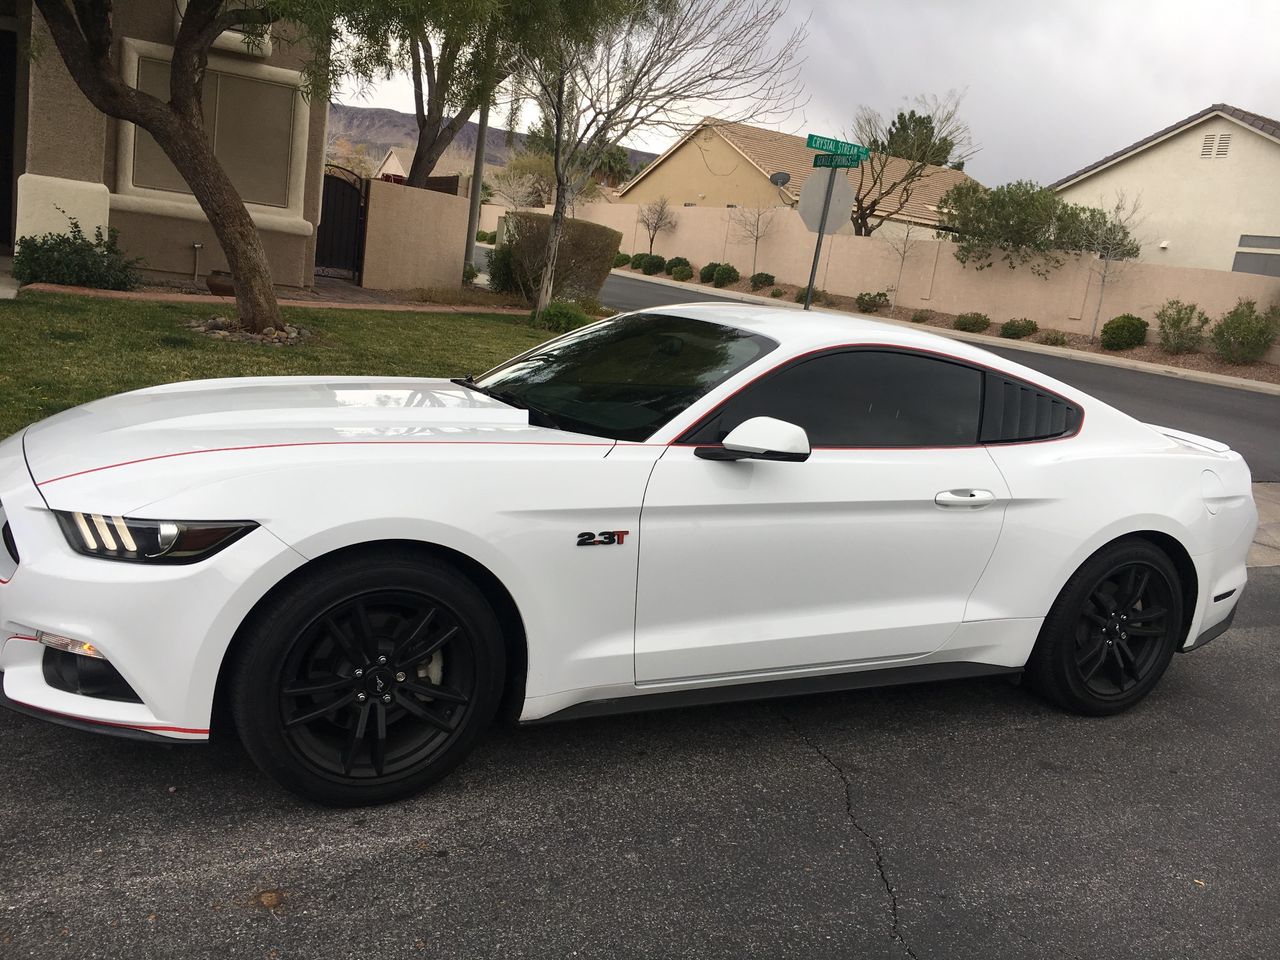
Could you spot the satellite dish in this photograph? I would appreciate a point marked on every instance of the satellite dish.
(780, 179)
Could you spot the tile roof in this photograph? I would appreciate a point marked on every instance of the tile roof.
(775, 152)
(1264, 124)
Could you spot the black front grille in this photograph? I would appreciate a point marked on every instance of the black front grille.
(86, 676)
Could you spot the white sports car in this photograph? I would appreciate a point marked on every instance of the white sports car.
(364, 571)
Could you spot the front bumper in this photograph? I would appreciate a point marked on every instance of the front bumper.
(165, 629)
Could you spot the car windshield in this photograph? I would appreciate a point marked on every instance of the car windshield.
(624, 378)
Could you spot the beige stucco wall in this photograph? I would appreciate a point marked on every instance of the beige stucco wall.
(413, 238)
(65, 136)
(932, 278)
(706, 171)
(1200, 205)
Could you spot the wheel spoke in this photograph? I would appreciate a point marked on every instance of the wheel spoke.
(1104, 600)
(1137, 586)
(1127, 654)
(1092, 652)
(413, 659)
(378, 753)
(364, 631)
(315, 688)
(422, 713)
(1120, 671)
(1145, 631)
(321, 711)
(1095, 618)
(442, 694)
(415, 634)
(353, 741)
(1101, 659)
(1147, 615)
(344, 641)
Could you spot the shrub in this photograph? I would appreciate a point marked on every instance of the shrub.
(725, 274)
(1181, 326)
(582, 264)
(593, 307)
(871, 302)
(468, 272)
(1054, 338)
(820, 297)
(676, 262)
(708, 272)
(683, 272)
(561, 316)
(776, 292)
(1244, 335)
(637, 260)
(972, 322)
(761, 280)
(621, 259)
(1123, 332)
(482, 236)
(1017, 329)
(920, 316)
(72, 258)
(652, 264)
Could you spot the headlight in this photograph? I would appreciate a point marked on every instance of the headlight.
(148, 541)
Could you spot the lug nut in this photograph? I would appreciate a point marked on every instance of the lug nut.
(386, 698)
(382, 659)
(361, 698)
(400, 677)
(359, 672)
(1124, 636)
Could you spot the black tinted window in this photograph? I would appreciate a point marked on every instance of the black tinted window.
(863, 398)
(1014, 411)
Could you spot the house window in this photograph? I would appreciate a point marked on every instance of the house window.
(250, 122)
(1258, 240)
(1266, 264)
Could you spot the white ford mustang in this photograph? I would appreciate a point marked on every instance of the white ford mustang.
(693, 504)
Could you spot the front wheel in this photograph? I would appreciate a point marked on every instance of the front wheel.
(1112, 631)
(370, 679)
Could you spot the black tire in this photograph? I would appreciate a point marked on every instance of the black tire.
(405, 652)
(1112, 631)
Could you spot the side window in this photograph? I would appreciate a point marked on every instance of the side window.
(1015, 412)
(862, 398)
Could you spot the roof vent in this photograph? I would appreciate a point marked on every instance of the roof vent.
(1206, 148)
(1224, 144)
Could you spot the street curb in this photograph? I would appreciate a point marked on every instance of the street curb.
(1141, 366)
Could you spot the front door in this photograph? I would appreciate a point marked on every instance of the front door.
(866, 552)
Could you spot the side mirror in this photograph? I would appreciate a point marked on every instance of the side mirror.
(760, 438)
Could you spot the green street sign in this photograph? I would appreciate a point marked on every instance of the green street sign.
(831, 160)
(840, 147)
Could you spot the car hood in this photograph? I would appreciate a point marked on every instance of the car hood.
(250, 413)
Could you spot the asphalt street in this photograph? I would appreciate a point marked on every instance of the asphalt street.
(947, 821)
(1249, 422)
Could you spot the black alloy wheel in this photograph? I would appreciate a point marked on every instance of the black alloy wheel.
(1112, 631)
(369, 679)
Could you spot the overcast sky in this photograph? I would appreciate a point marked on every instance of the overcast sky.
(1051, 85)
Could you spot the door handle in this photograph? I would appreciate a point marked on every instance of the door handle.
(971, 499)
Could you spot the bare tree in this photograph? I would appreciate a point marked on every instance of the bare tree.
(885, 182)
(751, 225)
(1107, 236)
(901, 244)
(654, 69)
(656, 217)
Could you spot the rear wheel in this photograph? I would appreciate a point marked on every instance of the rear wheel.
(370, 679)
(1112, 631)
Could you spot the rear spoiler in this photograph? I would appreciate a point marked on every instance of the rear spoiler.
(1192, 439)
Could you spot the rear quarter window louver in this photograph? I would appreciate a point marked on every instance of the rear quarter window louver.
(1014, 412)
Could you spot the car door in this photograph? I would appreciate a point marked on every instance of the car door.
(865, 552)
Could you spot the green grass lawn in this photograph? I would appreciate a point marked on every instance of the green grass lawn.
(58, 351)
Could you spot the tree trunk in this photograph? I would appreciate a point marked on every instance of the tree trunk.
(189, 150)
(554, 232)
(1102, 289)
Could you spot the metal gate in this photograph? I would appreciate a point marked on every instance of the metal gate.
(340, 236)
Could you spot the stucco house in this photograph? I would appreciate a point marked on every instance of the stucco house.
(1209, 187)
(720, 164)
(64, 154)
(395, 164)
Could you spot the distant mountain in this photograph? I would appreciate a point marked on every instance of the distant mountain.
(378, 129)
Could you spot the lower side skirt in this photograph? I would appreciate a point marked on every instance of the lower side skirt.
(770, 689)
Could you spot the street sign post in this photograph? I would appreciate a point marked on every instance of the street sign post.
(835, 160)
(826, 201)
